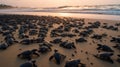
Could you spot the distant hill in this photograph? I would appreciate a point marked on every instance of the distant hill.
(3, 6)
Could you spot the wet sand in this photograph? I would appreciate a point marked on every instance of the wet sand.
(8, 57)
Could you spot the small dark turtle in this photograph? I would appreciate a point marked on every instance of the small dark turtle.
(58, 57)
(79, 40)
(106, 56)
(28, 54)
(74, 63)
(29, 64)
(104, 48)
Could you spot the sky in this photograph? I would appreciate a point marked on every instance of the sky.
(55, 3)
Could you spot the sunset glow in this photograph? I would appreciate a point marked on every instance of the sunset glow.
(54, 3)
(60, 33)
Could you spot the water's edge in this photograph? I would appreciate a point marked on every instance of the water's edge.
(76, 15)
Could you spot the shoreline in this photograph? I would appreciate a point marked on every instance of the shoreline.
(74, 15)
(117, 20)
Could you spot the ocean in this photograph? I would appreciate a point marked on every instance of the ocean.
(81, 11)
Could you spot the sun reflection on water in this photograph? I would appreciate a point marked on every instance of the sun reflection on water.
(64, 14)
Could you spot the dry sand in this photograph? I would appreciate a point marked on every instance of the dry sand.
(8, 57)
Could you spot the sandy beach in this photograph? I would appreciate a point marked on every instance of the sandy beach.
(67, 29)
